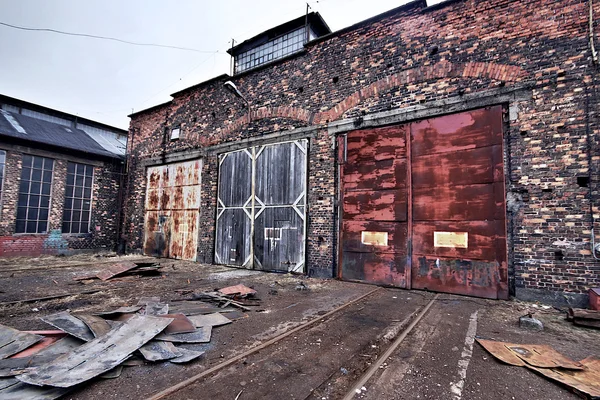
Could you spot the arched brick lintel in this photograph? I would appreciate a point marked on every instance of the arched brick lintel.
(441, 70)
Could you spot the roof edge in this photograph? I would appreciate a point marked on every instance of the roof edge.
(58, 113)
(203, 83)
(412, 4)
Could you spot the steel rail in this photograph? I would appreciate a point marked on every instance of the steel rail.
(380, 360)
(175, 388)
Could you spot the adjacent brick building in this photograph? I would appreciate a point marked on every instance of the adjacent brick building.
(60, 181)
(522, 74)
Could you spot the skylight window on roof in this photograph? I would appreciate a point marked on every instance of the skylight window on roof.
(284, 45)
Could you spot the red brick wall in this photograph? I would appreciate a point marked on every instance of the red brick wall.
(408, 59)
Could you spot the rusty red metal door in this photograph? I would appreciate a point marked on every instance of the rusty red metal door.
(423, 205)
(459, 234)
(374, 206)
(173, 210)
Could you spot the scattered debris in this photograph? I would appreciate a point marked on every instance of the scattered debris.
(47, 364)
(301, 286)
(530, 322)
(581, 317)
(583, 376)
(13, 341)
(239, 290)
(121, 270)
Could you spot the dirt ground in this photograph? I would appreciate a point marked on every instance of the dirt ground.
(322, 361)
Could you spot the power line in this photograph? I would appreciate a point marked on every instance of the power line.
(102, 38)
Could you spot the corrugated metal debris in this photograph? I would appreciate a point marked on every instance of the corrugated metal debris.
(89, 346)
(582, 376)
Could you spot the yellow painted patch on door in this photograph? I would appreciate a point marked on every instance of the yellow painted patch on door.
(374, 238)
(451, 239)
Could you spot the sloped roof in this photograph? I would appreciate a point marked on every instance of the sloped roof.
(43, 132)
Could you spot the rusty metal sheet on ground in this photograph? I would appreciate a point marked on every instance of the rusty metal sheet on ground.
(21, 391)
(586, 381)
(99, 355)
(202, 335)
(15, 366)
(214, 319)
(180, 324)
(501, 352)
(113, 373)
(194, 308)
(186, 355)
(70, 324)
(113, 270)
(543, 356)
(13, 341)
(98, 326)
(237, 289)
(49, 339)
(156, 350)
(121, 310)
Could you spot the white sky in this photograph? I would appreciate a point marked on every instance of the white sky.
(105, 80)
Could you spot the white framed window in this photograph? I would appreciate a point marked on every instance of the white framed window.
(175, 132)
(78, 198)
(34, 194)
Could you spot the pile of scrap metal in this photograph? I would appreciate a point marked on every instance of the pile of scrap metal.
(583, 377)
(122, 270)
(581, 317)
(48, 364)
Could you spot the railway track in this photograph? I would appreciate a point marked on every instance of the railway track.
(277, 351)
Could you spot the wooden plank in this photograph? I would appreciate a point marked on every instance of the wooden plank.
(13, 341)
(97, 356)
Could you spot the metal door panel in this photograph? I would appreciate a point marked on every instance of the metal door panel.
(458, 236)
(482, 239)
(480, 165)
(457, 203)
(373, 181)
(380, 205)
(435, 188)
(459, 276)
(455, 132)
(172, 210)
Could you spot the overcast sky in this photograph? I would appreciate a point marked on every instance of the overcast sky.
(105, 80)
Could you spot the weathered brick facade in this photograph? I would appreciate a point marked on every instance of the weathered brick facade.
(414, 62)
(104, 214)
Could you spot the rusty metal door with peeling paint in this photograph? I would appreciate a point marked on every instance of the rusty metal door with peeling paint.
(261, 207)
(375, 206)
(173, 210)
(449, 180)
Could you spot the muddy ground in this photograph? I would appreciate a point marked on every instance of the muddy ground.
(319, 362)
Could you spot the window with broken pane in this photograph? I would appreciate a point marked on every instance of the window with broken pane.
(35, 187)
(78, 198)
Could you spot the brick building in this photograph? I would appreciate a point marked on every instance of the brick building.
(60, 178)
(450, 147)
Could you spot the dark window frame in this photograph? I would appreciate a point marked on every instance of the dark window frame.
(34, 202)
(79, 192)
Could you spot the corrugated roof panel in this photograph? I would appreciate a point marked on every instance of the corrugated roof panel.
(44, 132)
